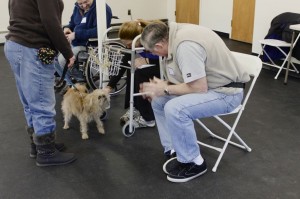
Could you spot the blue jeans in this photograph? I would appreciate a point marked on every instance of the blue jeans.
(35, 85)
(174, 116)
(61, 62)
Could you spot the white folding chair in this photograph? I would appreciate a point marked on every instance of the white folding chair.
(279, 44)
(252, 65)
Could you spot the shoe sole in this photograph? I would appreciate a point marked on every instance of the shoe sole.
(32, 156)
(136, 125)
(55, 164)
(185, 179)
(151, 125)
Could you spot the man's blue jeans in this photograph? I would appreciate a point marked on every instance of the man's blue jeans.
(35, 85)
(174, 116)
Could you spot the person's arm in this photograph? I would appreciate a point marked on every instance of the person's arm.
(116, 78)
(108, 16)
(158, 87)
(191, 59)
(148, 55)
(52, 24)
(196, 86)
(72, 24)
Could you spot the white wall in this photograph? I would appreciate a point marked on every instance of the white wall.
(154, 9)
(4, 16)
(171, 7)
(145, 9)
(140, 9)
(216, 14)
(265, 11)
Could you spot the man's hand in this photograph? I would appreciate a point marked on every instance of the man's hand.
(67, 31)
(70, 37)
(153, 89)
(107, 89)
(140, 61)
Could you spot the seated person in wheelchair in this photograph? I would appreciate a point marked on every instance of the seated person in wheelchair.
(203, 79)
(143, 114)
(82, 27)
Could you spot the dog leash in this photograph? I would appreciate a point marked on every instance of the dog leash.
(64, 73)
(76, 89)
(63, 77)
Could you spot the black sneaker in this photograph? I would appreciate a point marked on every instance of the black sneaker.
(183, 172)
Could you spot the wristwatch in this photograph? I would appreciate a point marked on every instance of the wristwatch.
(166, 91)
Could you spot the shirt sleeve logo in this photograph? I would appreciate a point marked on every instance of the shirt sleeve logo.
(188, 75)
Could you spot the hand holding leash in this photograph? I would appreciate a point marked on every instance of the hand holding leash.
(71, 62)
(68, 64)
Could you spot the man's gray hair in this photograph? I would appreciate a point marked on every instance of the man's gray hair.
(154, 33)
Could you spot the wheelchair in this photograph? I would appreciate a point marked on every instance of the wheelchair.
(88, 66)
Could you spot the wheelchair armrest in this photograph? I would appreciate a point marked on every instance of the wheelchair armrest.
(92, 42)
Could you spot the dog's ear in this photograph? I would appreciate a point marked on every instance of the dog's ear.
(104, 100)
(100, 97)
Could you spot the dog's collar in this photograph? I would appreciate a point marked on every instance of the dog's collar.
(76, 89)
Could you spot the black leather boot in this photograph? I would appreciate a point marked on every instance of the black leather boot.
(33, 152)
(47, 154)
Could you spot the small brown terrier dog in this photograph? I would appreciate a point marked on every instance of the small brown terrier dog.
(85, 106)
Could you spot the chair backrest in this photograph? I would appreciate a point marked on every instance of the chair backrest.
(253, 65)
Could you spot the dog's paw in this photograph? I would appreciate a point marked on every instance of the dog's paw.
(101, 131)
(84, 136)
(66, 127)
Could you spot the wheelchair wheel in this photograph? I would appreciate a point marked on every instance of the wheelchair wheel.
(125, 130)
(93, 75)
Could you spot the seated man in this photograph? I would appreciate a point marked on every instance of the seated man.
(198, 68)
(82, 27)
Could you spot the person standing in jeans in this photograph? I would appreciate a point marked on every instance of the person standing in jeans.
(34, 38)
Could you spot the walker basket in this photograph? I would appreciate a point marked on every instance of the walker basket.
(111, 59)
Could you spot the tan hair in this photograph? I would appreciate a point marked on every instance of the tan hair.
(130, 29)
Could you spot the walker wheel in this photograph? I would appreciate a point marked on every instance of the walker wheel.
(125, 130)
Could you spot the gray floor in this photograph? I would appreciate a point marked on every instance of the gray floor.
(112, 166)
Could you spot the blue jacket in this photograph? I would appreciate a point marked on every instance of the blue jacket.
(88, 29)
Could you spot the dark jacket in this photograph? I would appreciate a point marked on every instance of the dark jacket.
(84, 31)
(37, 23)
(280, 30)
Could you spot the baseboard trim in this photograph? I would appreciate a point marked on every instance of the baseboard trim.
(222, 34)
